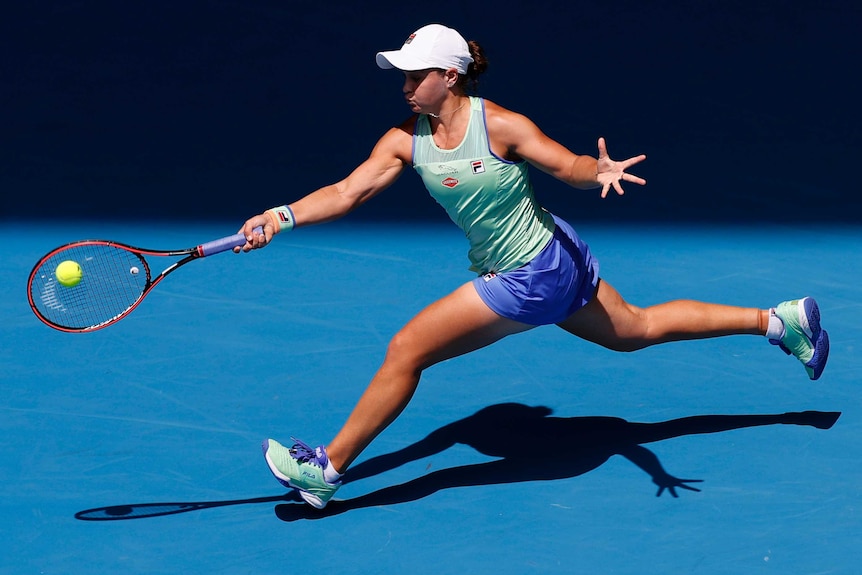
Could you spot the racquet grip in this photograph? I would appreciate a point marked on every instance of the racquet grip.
(224, 244)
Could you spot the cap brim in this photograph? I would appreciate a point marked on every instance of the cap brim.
(397, 59)
(383, 60)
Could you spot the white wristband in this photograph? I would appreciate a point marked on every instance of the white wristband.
(282, 217)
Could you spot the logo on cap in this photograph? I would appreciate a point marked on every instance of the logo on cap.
(409, 38)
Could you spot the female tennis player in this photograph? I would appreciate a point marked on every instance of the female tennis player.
(532, 268)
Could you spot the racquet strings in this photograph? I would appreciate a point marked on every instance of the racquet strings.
(108, 287)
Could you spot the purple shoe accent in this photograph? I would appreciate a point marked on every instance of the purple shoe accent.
(812, 312)
(302, 452)
(780, 345)
(819, 338)
(821, 354)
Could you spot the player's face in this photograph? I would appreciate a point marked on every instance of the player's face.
(425, 90)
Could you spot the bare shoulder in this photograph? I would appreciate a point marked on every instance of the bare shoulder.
(507, 129)
(499, 117)
(397, 141)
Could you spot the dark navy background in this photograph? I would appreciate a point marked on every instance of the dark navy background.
(748, 110)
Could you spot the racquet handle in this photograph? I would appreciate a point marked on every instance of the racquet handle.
(224, 244)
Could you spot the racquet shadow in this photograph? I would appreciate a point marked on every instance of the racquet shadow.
(533, 446)
(520, 436)
(147, 510)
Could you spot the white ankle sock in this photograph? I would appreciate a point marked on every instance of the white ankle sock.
(775, 329)
(330, 475)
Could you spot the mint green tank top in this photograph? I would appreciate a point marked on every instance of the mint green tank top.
(489, 198)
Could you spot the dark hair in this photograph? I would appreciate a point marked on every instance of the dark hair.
(470, 80)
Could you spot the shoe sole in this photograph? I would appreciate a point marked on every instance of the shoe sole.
(809, 318)
(810, 322)
(821, 354)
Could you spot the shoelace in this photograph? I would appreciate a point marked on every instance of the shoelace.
(303, 453)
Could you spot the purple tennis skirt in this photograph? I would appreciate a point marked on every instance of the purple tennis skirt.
(560, 280)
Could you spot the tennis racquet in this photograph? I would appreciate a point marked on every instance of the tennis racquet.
(113, 279)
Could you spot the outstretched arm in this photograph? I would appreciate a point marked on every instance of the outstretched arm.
(519, 138)
(378, 172)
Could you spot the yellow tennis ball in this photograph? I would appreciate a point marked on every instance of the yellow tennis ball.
(69, 273)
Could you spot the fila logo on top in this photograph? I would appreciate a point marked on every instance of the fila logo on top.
(478, 166)
(450, 182)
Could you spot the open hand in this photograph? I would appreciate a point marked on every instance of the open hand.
(610, 173)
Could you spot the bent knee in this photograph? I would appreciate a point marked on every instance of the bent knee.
(405, 353)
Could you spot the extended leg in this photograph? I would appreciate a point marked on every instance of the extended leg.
(455, 325)
(610, 321)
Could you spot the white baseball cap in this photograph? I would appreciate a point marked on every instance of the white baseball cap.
(432, 46)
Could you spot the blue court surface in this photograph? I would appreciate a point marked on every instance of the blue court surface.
(136, 449)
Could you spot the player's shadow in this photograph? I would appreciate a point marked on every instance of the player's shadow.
(532, 446)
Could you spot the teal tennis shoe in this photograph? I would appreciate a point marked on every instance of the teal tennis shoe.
(803, 337)
(301, 468)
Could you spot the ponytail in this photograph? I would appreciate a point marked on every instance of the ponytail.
(476, 68)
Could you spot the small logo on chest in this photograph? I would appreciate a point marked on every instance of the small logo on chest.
(478, 166)
(450, 182)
